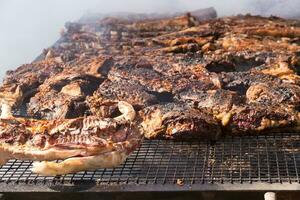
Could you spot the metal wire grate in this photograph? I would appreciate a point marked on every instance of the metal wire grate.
(235, 160)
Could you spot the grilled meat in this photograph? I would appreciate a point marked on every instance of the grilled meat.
(143, 74)
(25, 80)
(256, 118)
(84, 143)
(216, 100)
(241, 81)
(269, 93)
(104, 100)
(187, 78)
(63, 96)
(177, 121)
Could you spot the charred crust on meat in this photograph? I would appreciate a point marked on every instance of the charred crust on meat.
(188, 78)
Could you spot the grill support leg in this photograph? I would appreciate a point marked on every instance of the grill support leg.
(270, 196)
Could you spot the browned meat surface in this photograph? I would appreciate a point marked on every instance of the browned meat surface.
(104, 100)
(143, 74)
(269, 93)
(84, 143)
(254, 118)
(188, 78)
(27, 78)
(176, 121)
(216, 100)
(63, 96)
(240, 81)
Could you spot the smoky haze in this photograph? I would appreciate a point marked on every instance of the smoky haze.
(29, 26)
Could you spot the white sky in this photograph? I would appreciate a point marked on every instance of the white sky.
(29, 26)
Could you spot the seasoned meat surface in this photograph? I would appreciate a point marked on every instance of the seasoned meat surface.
(104, 101)
(63, 96)
(83, 143)
(185, 76)
(270, 93)
(254, 118)
(216, 100)
(176, 121)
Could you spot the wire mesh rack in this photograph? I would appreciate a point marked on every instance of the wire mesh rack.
(250, 162)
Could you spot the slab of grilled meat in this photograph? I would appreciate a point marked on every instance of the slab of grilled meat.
(177, 121)
(217, 101)
(270, 93)
(84, 143)
(63, 96)
(187, 78)
(104, 101)
(256, 118)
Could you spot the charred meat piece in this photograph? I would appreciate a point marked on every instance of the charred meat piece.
(31, 75)
(75, 43)
(143, 74)
(236, 61)
(268, 94)
(257, 119)
(170, 65)
(26, 79)
(63, 96)
(241, 81)
(98, 66)
(280, 31)
(188, 79)
(217, 101)
(238, 43)
(104, 101)
(185, 83)
(84, 143)
(284, 71)
(165, 25)
(177, 121)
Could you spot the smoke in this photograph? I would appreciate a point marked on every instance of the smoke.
(282, 8)
(26, 27)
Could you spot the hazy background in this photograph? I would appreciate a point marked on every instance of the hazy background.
(29, 26)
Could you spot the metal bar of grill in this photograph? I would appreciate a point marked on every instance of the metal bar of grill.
(235, 163)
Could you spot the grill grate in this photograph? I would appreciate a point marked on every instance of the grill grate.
(234, 160)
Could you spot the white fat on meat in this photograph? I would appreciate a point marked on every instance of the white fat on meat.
(76, 164)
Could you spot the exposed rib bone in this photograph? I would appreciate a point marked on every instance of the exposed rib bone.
(6, 110)
(8, 100)
(128, 112)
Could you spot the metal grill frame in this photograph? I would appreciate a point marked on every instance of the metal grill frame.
(249, 163)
